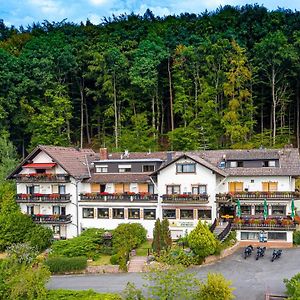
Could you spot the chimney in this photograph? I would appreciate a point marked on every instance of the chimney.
(169, 157)
(103, 154)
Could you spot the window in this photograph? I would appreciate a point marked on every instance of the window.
(259, 209)
(233, 164)
(149, 214)
(56, 229)
(102, 188)
(272, 163)
(58, 210)
(186, 168)
(278, 210)
(118, 213)
(148, 168)
(204, 214)
(151, 188)
(246, 209)
(269, 186)
(249, 236)
(133, 213)
(101, 168)
(61, 189)
(88, 213)
(102, 213)
(30, 210)
(33, 189)
(169, 213)
(124, 168)
(199, 190)
(240, 164)
(269, 163)
(234, 187)
(277, 236)
(40, 171)
(186, 214)
(173, 189)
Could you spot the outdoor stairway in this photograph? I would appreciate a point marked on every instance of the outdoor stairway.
(137, 263)
(219, 231)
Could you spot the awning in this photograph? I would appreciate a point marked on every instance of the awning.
(40, 165)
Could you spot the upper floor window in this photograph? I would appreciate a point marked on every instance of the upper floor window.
(173, 189)
(269, 163)
(124, 168)
(101, 169)
(40, 171)
(235, 186)
(32, 189)
(148, 168)
(199, 189)
(236, 164)
(269, 186)
(186, 168)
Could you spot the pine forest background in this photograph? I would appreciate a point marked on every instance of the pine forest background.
(223, 79)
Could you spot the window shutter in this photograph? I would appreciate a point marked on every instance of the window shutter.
(273, 186)
(265, 186)
(95, 187)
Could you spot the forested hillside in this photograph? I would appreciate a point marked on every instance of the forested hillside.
(228, 78)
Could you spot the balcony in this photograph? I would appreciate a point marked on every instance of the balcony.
(115, 197)
(274, 224)
(185, 198)
(44, 177)
(233, 196)
(51, 219)
(43, 198)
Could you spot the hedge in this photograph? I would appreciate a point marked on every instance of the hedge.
(66, 264)
(82, 295)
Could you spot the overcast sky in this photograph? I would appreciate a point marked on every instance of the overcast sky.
(24, 12)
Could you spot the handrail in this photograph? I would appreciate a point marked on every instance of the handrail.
(226, 230)
(213, 225)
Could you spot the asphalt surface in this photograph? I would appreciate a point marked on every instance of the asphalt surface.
(251, 278)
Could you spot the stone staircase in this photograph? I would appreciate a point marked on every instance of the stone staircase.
(219, 229)
(136, 264)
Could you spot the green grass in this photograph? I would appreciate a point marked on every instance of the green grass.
(103, 260)
(83, 295)
(142, 250)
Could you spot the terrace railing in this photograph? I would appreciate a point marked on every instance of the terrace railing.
(125, 197)
(43, 198)
(185, 198)
(51, 219)
(35, 177)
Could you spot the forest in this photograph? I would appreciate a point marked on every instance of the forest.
(229, 78)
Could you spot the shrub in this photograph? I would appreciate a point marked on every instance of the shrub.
(114, 259)
(216, 288)
(296, 237)
(82, 295)
(293, 287)
(22, 253)
(202, 241)
(40, 237)
(66, 264)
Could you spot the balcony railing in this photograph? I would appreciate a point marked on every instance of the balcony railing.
(225, 197)
(126, 197)
(35, 177)
(43, 198)
(185, 198)
(51, 219)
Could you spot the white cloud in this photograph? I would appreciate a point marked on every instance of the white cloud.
(48, 7)
(98, 2)
(95, 19)
(157, 10)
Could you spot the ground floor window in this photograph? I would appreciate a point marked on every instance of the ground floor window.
(204, 213)
(169, 213)
(133, 213)
(246, 209)
(186, 214)
(56, 229)
(118, 213)
(30, 209)
(278, 210)
(259, 209)
(102, 213)
(277, 236)
(249, 235)
(149, 214)
(87, 213)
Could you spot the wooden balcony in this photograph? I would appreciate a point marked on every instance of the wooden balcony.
(185, 198)
(51, 219)
(107, 197)
(228, 197)
(35, 177)
(43, 198)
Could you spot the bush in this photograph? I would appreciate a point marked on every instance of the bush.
(114, 259)
(82, 295)
(40, 237)
(202, 241)
(66, 264)
(296, 237)
(216, 288)
(293, 287)
(22, 253)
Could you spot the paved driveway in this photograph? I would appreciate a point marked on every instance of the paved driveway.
(251, 278)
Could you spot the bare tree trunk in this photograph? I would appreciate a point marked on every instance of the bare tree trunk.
(274, 105)
(298, 116)
(158, 111)
(171, 95)
(153, 112)
(81, 116)
(116, 111)
(87, 122)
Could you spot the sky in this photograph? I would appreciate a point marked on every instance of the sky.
(26, 12)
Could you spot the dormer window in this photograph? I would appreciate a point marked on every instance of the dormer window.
(269, 163)
(101, 169)
(124, 168)
(40, 171)
(240, 164)
(233, 164)
(186, 168)
(148, 168)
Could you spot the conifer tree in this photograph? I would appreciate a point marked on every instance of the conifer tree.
(166, 235)
(157, 240)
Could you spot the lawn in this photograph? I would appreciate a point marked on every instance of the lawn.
(143, 249)
(103, 260)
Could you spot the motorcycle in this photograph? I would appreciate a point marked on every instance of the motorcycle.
(248, 251)
(260, 252)
(276, 254)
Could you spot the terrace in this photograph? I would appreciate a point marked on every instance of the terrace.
(51, 219)
(43, 198)
(116, 197)
(185, 198)
(42, 177)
